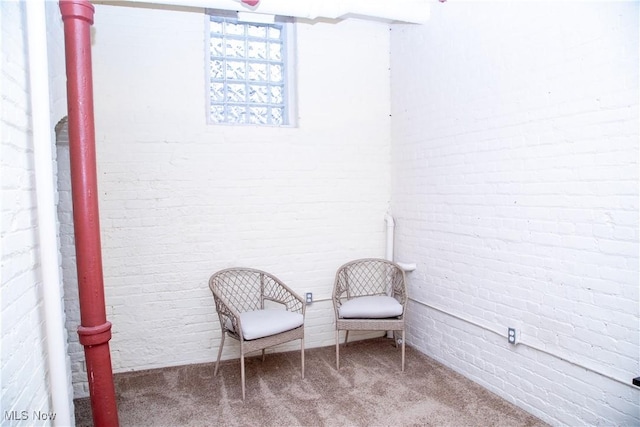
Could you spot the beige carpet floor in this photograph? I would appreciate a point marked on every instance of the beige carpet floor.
(369, 390)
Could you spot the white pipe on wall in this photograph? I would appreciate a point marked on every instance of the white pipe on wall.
(406, 266)
(411, 11)
(47, 229)
(389, 251)
(539, 348)
(390, 233)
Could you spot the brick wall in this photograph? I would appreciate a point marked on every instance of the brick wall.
(58, 107)
(515, 188)
(180, 199)
(68, 262)
(24, 382)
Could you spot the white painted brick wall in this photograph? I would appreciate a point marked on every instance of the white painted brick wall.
(181, 200)
(69, 272)
(24, 381)
(58, 107)
(515, 188)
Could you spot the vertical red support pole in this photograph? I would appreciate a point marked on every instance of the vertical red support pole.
(95, 330)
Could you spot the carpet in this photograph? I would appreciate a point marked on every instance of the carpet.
(369, 390)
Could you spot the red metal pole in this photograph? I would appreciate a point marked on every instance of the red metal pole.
(95, 330)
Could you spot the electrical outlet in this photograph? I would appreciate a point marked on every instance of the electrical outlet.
(512, 336)
(309, 297)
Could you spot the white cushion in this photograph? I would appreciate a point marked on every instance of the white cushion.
(370, 307)
(263, 323)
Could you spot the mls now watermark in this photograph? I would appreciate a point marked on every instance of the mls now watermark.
(29, 416)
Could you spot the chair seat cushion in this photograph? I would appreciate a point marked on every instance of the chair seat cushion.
(370, 307)
(263, 323)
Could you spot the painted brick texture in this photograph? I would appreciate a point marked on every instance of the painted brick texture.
(515, 188)
(180, 199)
(24, 380)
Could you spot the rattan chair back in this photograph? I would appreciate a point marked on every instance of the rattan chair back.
(363, 278)
(370, 276)
(240, 290)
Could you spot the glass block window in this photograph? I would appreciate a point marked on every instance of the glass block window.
(247, 72)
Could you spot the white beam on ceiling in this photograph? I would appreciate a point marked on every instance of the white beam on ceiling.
(410, 11)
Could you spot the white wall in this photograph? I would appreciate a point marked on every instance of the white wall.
(180, 199)
(25, 385)
(68, 262)
(515, 188)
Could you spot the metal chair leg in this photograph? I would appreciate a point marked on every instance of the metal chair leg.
(337, 349)
(403, 349)
(242, 371)
(215, 372)
(302, 355)
(346, 337)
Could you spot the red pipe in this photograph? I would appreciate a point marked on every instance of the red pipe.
(95, 330)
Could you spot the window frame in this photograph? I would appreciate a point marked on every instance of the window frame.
(289, 67)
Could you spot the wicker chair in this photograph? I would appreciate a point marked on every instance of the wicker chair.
(369, 295)
(244, 299)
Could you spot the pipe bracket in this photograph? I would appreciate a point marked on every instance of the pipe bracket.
(94, 335)
(77, 9)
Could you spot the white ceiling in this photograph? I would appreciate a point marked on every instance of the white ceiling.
(410, 11)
